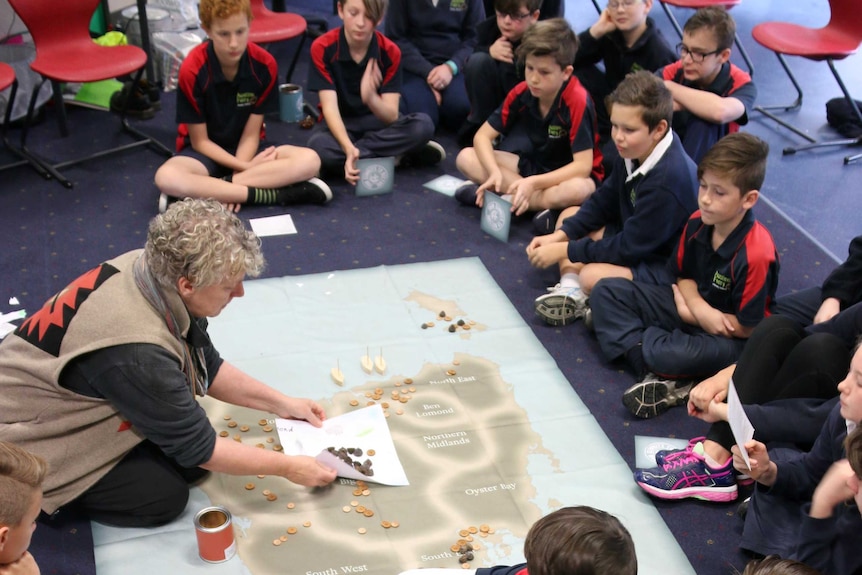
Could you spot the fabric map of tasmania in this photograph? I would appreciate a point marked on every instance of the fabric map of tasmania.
(489, 432)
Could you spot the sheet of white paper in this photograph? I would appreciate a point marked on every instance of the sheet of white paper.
(743, 431)
(364, 428)
(273, 225)
(5, 327)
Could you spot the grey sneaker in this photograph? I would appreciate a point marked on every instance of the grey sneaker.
(561, 305)
(654, 395)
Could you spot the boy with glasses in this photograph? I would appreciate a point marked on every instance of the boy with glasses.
(625, 39)
(711, 96)
(491, 70)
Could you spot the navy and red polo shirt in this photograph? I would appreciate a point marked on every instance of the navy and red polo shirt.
(569, 127)
(731, 81)
(738, 278)
(332, 68)
(204, 95)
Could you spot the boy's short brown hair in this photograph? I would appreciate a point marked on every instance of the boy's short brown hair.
(21, 475)
(741, 157)
(648, 91)
(716, 19)
(209, 10)
(514, 6)
(374, 9)
(579, 540)
(775, 565)
(553, 37)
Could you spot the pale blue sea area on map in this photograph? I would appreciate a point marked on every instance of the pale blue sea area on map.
(291, 331)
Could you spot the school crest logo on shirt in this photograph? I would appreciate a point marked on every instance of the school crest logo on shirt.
(245, 99)
(458, 5)
(720, 282)
(556, 132)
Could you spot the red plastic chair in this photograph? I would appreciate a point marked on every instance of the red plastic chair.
(698, 4)
(835, 41)
(268, 26)
(66, 53)
(8, 80)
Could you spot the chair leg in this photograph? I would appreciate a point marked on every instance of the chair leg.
(24, 158)
(598, 8)
(296, 55)
(672, 19)
(843, 142)
(765, 110)
(744, 54)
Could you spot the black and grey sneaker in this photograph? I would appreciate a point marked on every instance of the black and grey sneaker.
(165, 201)
(429, 154)
(313, 191)
(138, 106)
(654, 395)
(545, 222)
(466, 193)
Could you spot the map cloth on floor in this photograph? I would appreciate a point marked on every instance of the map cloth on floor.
(489, 432)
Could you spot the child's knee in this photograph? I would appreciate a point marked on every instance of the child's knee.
(466, 160)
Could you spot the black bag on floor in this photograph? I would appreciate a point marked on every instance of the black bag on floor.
(841, 116)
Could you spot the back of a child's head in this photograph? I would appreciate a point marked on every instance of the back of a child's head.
(374, 9)
(553, 37)
(579, 541)
(853, 449)
(739, 157)
(774, 565)
(210, 10)
(648, 91)
(716, 19)
(21, 477)
(515, 6)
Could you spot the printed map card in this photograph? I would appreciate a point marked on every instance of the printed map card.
(445, 185)
(496, 216)
(376, 176)
(646, 447)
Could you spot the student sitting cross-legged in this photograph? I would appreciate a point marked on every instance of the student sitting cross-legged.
(548, 156)
(226, 85)
(357, 72)
(726, 270)
(631, 224)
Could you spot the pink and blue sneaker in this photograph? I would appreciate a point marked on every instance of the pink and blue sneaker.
(685, 474)
(665, 455)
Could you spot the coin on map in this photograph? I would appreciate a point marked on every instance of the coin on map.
(346, 508)
(360, 509)
(277, 448)
(283, 538)
(260, 445)
(261, 422)
(276, 542)
(463, 533)
(223, 433)
(232, 424)
(454, 548)
(366, 492)
(368, 513)
(472, 529)
(266, 492)
(399, 411)
(249, 486)
(244, 428)
(261, 476)
(408, 381)
(448, 318)
(362, 530)
(291, 505)
(307, 524)
(467, 327)
(270, 440)
(291, 530)
(484, 528)
(395, 524)
(451, 372)
(271, 497)
(357, 492)
(385, 524)
(227, 417)
(354, 402)
(371, 452)
(267, 428)
(237, 438)
(354, 503)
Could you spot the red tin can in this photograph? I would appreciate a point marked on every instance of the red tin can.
(214, 529)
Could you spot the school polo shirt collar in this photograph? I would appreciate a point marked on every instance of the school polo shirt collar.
(533, 103)
(244, 70)
(657, 154)
(729, 246)
(344, 49)
(720, 85)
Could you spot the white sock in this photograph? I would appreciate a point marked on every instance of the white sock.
(570, 280)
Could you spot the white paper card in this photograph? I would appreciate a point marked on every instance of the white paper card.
(743, 431)
(273, 225)
(445, 184)
(364, 428)
(646, 446)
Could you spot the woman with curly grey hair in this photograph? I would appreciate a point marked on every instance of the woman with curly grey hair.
(102, 381)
